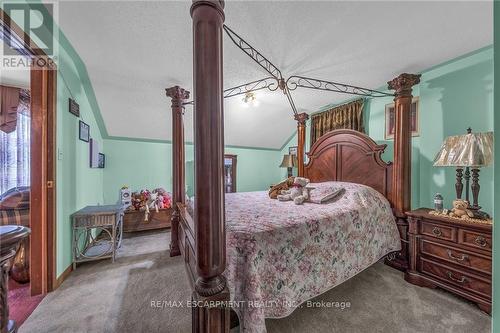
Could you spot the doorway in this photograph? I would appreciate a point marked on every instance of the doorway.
(38, 83)
(230, 173)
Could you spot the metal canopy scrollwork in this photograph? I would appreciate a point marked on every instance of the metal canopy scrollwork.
(290, 100)
(253, 53)
(276, 79)
(269, 82)
(296, 81)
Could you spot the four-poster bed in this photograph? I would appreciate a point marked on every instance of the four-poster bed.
(199, 233)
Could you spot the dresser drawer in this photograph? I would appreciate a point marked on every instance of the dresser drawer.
(465, 281)
(475, 239)
(457, 256)
(439, 231)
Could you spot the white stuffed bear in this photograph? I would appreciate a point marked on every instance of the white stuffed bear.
(298, 192)
(153, 201)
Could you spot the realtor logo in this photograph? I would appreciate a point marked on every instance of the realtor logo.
(36, 20)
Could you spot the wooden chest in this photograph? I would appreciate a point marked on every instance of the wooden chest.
(451, 254)
(134, 220)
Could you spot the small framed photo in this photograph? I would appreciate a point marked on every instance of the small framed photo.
(292, 150)
(102, 161)
(84, 131)
(390, 119)
(74, 108)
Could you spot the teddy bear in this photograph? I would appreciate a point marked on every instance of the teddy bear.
(298, 192)
(163, 199)
(153, 201)
(275, 190)
(137, 200)
(460, 209)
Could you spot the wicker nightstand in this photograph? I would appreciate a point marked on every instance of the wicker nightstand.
(452, 254)
(97, 233)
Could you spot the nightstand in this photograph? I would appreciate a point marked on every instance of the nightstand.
(452, 254)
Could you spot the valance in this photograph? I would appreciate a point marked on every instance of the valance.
(349, 116)
(13, 101)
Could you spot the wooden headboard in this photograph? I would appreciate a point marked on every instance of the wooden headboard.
(350, 156)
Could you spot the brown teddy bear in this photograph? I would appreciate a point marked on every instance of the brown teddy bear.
(298, 192)
(275, 190)
(460, 209)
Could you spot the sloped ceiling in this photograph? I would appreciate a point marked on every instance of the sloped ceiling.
(14, 77)
(134, 50)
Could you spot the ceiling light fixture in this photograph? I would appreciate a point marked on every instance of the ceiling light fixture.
(250, 100)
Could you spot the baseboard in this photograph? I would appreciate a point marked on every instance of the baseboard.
(63, 276)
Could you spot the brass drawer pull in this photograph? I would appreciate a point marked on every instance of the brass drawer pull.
(437, 232)
(452, 278)
(481, 241)
(461, 258)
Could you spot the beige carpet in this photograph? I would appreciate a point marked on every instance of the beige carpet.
(106, 297)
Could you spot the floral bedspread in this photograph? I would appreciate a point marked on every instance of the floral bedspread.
(280, 255)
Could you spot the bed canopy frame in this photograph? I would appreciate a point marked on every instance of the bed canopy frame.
(343, 155)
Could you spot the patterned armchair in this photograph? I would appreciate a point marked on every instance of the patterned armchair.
(15, 210)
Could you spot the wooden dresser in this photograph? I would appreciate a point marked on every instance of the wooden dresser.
(451, 254)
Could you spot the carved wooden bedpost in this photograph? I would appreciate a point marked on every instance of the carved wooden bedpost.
(401, 175)
(178, 96)
(208, 19)
(301, 138)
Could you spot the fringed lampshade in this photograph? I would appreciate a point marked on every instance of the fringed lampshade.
(471, 150)
(289, 161)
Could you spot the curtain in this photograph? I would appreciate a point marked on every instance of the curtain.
(348, 116)
(9, 100)
(15, 149)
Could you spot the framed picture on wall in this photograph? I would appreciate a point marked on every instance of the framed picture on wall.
(102, 161)
(390, 119)
(292, 150)
(74, 108)
(84, 131)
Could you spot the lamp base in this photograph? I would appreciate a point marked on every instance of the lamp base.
(478, 213)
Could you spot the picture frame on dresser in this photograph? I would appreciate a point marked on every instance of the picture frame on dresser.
(453, 254)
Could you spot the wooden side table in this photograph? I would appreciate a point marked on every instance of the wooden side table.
(97, 233)
(10, 238)
(452, 254)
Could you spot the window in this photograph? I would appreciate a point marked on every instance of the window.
(15, 154)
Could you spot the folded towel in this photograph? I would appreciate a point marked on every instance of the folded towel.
(324, 197)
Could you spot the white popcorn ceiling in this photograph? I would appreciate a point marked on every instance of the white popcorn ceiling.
(134, 50)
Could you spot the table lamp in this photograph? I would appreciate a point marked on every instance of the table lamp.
(470, 151)
(289, 162)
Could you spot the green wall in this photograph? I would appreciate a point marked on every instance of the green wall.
(496, 229)
(77, 184)
(141, 164)
(452, 98)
